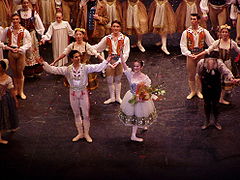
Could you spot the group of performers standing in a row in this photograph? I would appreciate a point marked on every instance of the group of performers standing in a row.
(159, 18)
(96, 18)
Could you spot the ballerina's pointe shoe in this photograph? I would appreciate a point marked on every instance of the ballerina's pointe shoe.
(205, 126)
(3, 141)
(222, 101)
(23, 96)
(76, 138)
(119, 100)
(199, 95)
(190, 96)
(134, 138)
(218, 126)
(164, 49)
(140, 47)
(111, 100)
(88, 138)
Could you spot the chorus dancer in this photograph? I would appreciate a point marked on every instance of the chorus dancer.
(114, 12)
(18, 42)
(217, 12)
(118, 46)
(212, 71)
(70, 9)
(31, 20)
(93, 17)
(77, 76)
(47, 11)
(86, 50)
(135, 21)
(162, 21)
(183, 14)
(225, 45)
(8, 102)
(59, 32)
(192, 42)
(140, 113)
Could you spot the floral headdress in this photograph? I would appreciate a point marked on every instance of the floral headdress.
(225, 26)
(80, 29)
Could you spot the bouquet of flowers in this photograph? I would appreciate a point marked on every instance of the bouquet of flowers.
(144, 93)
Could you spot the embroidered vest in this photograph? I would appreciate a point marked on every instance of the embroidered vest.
(28, 23)
(190, 40)
(217, 2)
(19, 39)
(81, 77)
(224, 54)
(119, 45)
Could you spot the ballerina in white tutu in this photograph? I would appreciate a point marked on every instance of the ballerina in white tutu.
(137, 108)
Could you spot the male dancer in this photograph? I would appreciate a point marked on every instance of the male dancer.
(19, 41)
(119, 47)
(192, 42)
(77, 76)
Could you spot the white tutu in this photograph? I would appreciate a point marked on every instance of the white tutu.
(139, 114)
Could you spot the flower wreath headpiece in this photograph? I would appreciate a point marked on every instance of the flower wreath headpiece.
(225, 26)
(80, 29)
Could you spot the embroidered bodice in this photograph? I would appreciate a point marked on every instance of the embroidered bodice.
(5, 85)
(133, 82)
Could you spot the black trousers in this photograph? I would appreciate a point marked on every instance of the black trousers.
(211, 96)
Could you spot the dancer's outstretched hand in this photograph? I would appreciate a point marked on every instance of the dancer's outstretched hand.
(109, 58)
(52, 64)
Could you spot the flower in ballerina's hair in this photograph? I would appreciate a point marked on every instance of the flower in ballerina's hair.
(145, 93)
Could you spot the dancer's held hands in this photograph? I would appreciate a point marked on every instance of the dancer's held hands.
(42, 41)
(40, 60)
(16, 50)
(235, 81)
(192, 56)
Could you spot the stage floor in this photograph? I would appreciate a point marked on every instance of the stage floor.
(174, 147)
